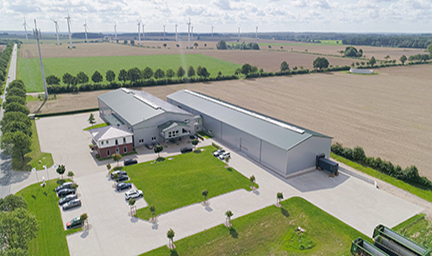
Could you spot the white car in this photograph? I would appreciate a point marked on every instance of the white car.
(224, 155)
(218, 152)
(133, 194)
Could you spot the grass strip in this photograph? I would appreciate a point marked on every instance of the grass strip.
(35, 158)
(422, 193)
(96, 126)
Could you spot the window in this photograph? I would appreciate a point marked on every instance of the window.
(153, 138)
(108, 152)
(117, 151)
(124, 140)
(101, 142)
(141, 141)
(124, 149)
(116, 142)
(106, 142)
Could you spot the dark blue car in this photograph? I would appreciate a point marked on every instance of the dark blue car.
(122, 186)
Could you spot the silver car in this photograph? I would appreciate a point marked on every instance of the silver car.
(72, 204)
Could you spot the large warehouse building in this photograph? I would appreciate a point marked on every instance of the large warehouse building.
(280, 146)
(147, 117)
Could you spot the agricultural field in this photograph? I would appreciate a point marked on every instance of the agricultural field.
(29, 69)
(386, 114)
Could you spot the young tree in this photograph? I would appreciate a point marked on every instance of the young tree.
(131, 204)
(228, 214)
(196, 45)
(82, 78)
(227, 159)
(246, 69)
(152, 211)
(252, 180)
(279, 197)
(180, 72)
(372, 61)
(158, 149)
(108, 166)
(71, 175)
(159, 73)
(170, 73)
(170, 235)
(165, 45)
(132, 42)
(117, 157)
(123, 76)
(204, 193)
(320, 63)
(191, 71)
(110, 76)
(125, 42)
(91, 120)
(115, 178)
(67, 78)
(147, 73)
(61, 170)
(403, 59)
(284, 66)
(387, 57)
(204, 73)
(97, 77)
(52, 80)
(134, 74)
(195, 142)
(84, 220)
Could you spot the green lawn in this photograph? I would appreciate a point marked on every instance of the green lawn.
(418, 229)
(271, 231)
(43, 203)
(29, 69)
(96, 126)
(171, 184)
(35, 155)
(422, 193)
(205, 135)
(31, 98)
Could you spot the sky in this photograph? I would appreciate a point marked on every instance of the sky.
(350, 16)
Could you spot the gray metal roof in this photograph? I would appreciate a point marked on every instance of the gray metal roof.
(136, 106)
(274, 131)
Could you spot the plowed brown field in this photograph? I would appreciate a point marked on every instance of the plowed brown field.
(387, 114)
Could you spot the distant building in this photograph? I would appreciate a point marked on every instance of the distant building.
(111, 140)
(282, 147)
(148, 118)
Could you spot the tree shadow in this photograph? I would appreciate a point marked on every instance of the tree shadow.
(197, 151)
(233, 232)
(229, 169)
(284, 212)
(60, 182)
(174, 252)
(160, 159)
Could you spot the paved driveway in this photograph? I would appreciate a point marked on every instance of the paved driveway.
(114, 232)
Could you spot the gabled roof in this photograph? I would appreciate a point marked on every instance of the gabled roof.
(109, 132)
(172, 124)
(279, 133)
(136, 106)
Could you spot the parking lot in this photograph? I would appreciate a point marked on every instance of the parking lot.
(113, 231)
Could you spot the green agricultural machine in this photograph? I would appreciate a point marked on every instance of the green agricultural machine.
(387, 242)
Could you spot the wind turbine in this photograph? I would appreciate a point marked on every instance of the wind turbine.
(192, 32)
(115, 30)
(69, 28)
(189, 26)
(37, 35)
(143, 25)
(57, 31)
(25, 28)
(256, 33)
(164, 32)
(139, 33)
(239, 33)
(212, 30)
(85, 29)
(176, 32)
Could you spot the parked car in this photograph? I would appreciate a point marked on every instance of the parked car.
(130, 162)
(74, 223)
(63, 186)
(72, 204)
(185, 150)
(122, 186)
(224, 155)
(67, 198)
(65, 192)
(133, 194)
(149, 146)
(193, 137)
(120, 172)
(122, 178)
(219, 152)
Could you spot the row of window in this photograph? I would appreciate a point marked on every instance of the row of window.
(116, 141)
(142, 140)
(117, 151)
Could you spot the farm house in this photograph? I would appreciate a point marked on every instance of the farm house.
(147, 117)
(282, 147)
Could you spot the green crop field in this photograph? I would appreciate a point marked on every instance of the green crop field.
(323, 42)
(29, 69)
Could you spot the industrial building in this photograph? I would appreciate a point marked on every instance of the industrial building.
(280, 146)
(147, 117)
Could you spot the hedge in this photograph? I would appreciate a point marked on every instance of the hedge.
(409, 175)
(4, 61)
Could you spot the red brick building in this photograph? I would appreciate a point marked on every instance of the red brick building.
(111, 140)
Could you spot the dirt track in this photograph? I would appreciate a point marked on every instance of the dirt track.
(387, 114)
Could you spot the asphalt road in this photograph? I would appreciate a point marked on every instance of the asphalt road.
(6, 171)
